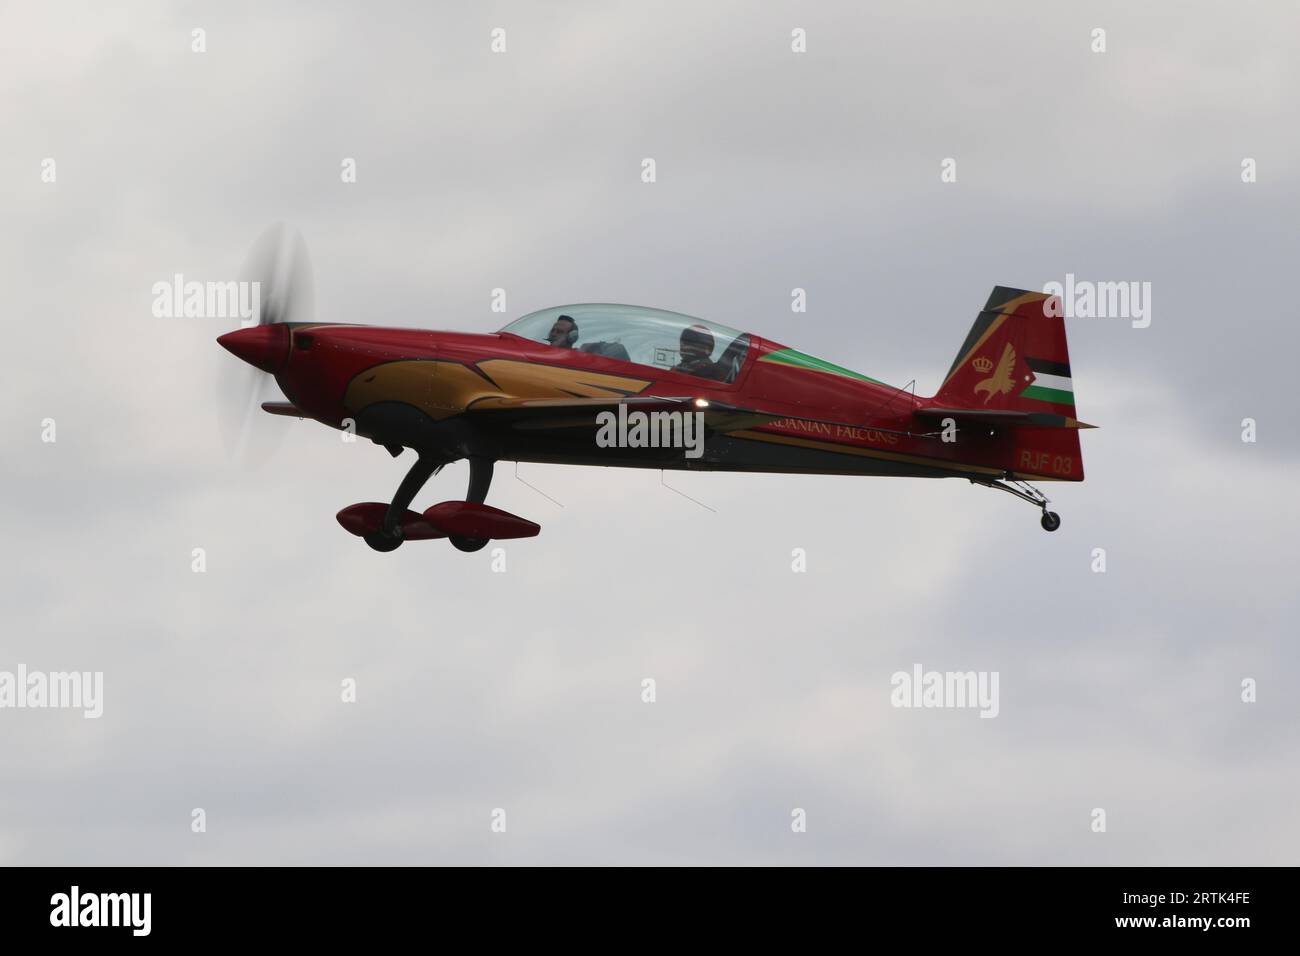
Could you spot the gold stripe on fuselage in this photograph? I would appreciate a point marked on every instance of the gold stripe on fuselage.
(442, 388)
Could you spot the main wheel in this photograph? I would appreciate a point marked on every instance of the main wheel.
(468, 544)
(1051, 521)
(383, 542)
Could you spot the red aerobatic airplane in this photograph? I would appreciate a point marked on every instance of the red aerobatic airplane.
(623, 385)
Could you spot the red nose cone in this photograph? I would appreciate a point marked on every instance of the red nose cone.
(266, 346)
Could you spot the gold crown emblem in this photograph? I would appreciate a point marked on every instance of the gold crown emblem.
(982, 364)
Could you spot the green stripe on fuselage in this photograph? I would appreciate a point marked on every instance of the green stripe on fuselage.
(801, 360)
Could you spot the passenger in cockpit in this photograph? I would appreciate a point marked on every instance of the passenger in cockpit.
(697, 354)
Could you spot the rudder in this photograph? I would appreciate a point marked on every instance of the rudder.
(1015, 366)
(1015, 357)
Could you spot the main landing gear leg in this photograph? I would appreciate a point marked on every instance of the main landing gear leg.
(1026, 492)
(389, 535)
(480, 480)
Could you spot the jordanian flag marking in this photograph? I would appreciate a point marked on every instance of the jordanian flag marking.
(1051, 383)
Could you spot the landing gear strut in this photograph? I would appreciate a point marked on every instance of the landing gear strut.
(1026, 492)
(480, 479)
(389, 535)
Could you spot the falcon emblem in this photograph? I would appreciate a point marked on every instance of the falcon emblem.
(1000, 382)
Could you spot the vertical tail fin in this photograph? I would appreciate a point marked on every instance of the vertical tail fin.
(1015, 360)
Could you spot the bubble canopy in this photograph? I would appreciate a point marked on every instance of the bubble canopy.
(645, 336)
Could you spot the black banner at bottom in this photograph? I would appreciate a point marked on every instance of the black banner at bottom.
(94, 905)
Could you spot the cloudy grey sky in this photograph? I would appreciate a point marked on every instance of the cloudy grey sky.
(522, 690)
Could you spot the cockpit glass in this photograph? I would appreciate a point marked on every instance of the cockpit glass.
(630, 333)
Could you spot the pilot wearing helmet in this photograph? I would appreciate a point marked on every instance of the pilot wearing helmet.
(697, 354)
(564, 333)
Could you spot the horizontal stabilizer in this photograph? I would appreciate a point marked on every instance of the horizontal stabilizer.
(996, 416)
(288, 409)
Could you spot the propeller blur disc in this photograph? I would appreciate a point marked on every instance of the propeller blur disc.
(280, 266)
